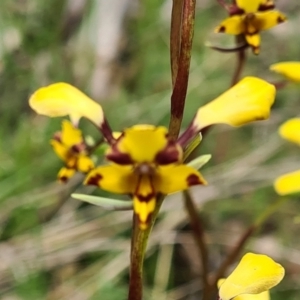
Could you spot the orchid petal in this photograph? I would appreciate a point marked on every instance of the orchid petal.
(113, 178)
(249, 100)
(254, 274)
(288, 183)
(289, 69)
(175, 178)
(61, 99)
(290, 130)
(232, 25)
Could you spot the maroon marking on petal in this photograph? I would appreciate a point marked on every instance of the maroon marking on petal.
(146, 198)
(94, 180)
(280, 19)
(120, 158)
(63, 179)
(266, 6)
(222, 29)
(169, 155)
(57, 136)
(193, 179)
(235, 10)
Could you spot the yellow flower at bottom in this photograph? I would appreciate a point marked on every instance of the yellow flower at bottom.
(254, 274)
(289, 69)
(144, 165)
(69, 147)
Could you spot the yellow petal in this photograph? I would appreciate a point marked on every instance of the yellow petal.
(232, 25)
(289, 69)
(65, 174)
(60, 150)
(261, 296)
(143, 142)
(253, 40)
(70, 135)
(268, 19)
(61, 99)
(113, 178)
(144, 200)
(175, 178)
(249, 100)
(254, 274)
(84, 164)
(288, 183)
(249, 6)
(290, 130)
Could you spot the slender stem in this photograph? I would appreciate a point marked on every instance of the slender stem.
(181, 82)
(175, 37)
(242, 242)
(198, 232)
(241, 59)
(139, 241)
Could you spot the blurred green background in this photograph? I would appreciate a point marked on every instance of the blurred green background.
(117, 51)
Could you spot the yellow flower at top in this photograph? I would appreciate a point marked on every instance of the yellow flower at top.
(289, 183)
(249, 18)
(69, 146)
(289, 69)
(251, 279)
(143, 162)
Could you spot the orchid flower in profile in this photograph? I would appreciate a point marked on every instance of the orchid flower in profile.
(252, 279)
(143, 162)
(71, 148)
(248, 18)
(289, 183)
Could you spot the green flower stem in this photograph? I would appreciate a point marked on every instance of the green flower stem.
(139, 242)
(182, 76)
(198, 232)
(242, 242)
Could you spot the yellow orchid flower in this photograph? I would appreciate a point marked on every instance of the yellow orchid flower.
(289, 183)
(70, 148)
(143, 161)
(254, 275)
(289, 69)
(249, 18)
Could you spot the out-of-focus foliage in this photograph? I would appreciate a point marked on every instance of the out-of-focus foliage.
(54, 247)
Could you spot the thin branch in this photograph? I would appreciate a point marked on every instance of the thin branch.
(198, 232)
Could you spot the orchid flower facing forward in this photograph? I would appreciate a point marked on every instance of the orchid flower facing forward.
(70, 147)
(248, 18)
(251, 279)
(143, 161)
(289, 183)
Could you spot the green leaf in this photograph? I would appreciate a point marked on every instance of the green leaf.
(192, 146)
(107, 203)
(200, 161)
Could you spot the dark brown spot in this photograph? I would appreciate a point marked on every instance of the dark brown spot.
(221, 29)
(94, 180)
(63, 179)
(266, 6)
(120, 158)
(193, 179)
(280, 19)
